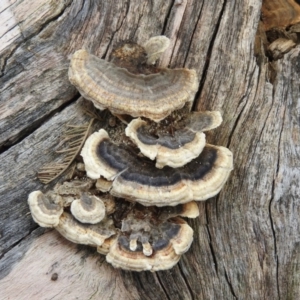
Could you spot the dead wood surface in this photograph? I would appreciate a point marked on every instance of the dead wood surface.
(246, 241)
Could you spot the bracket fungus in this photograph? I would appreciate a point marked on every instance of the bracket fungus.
(175, 148)
(151, 238)
(138, 179)
(45, 210)
(88, 209)
(153, 96)
(86, 234)
(164, 253)
(130, 195)
(154, 47)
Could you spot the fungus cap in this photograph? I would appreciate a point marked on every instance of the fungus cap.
(174, 150)
(162, 254)
(45, 209)
(88, 209)
(203, 120)
(155, 46)
(152, 96)
(188, 210)
(138, 179)
(89, 154)
(76, 232)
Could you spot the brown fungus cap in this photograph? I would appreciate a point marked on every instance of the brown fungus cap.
(89, 153)
(138, 179)
(88, 209)
(155, 46)
(168, 242)
(149, 238)
(188, 210)
(203, 120)
(152, 96)
(174, 150)
(79, 233)
(45, 209)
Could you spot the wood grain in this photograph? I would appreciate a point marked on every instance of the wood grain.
(246, 239)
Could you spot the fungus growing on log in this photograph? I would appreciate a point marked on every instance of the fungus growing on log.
(122, 201)
(86, 234)
(163, 254)
(45, 210)
(151, 238)
(154, 47)
(88, 209)
(138, 179)
(177, 147)
(148, 238)
(152, 96)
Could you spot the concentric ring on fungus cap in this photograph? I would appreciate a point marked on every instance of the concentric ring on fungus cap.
(138, 179)
(178, 147)
(88, 209)
(172, 240)
(152, 96)
(86, 234)
(45, 209)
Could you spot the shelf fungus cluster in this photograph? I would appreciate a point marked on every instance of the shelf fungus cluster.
(136, 187)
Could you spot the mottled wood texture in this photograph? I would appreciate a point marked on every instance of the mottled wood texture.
(247, 241)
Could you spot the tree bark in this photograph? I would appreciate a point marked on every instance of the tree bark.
(246, 239)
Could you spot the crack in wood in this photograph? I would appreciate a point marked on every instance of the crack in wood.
(208, 55)
(16, 25)
(230, 284)
(137, 25)
(26, 38)
(271, 203)
(274, 238)
(7, 7)
(162, 286)
(193, 33)
(104, 56)
(16, 243)
(210, 240)
(23, 134)
(174, 24)
(168, 14)
(186, 281)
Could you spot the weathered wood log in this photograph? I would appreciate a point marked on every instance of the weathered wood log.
(247, 238)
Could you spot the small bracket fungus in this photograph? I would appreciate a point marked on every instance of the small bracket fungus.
(203, 120)
(155, 47)
(138, 179)
(188, 210)
(168, 242)
(173, 148)
(86, 234)
(152, 96)
(45, 210)
(150, 238)
(88, 209)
